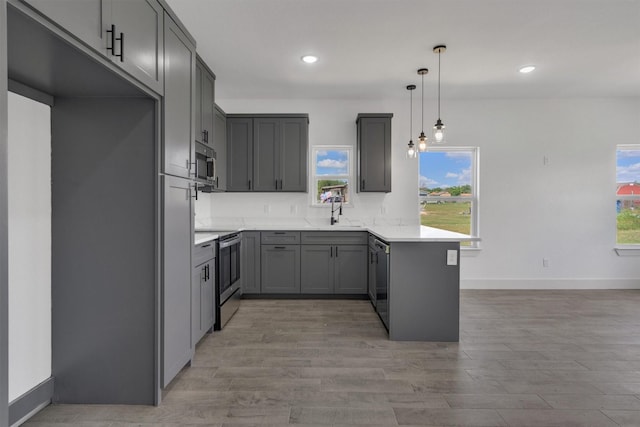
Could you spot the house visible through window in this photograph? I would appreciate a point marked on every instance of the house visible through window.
(628, 194)
(449, 189)
(331, 174)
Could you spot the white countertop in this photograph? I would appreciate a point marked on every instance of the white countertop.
(398, 233)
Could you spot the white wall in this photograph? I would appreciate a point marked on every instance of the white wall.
(563, 211)
(29, 244)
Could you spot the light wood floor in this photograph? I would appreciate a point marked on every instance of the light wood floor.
(526, 358)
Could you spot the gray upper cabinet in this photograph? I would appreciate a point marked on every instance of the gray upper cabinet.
(220, 147)
(127, 32)
(176, 261)
(239, 153)
(178, 100)
(205, 94)
(138, 39)
(280, 266)
(374, 152)
(250, 262)
(82, 18)
(278, 145)
(280, 153)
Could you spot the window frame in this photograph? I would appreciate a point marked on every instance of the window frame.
(475, 185)
(315, 177)
(624, 248)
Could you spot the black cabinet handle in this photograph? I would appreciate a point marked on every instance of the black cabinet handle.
(279, 247)
(205, 246)
(249, 185)
(279, 232)
(331, 253)
(112, 31)
(121, 40)
(276, 184)
(205, 135)
(195, 187)
(336, 252)
(363, 182)
(216, 182)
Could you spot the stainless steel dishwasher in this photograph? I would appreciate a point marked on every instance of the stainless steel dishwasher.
(382, 258)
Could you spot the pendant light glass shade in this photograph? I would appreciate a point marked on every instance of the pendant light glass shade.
(412, 153)
(422, 139)
(438, 128)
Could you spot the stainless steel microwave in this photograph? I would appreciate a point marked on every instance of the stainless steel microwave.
(206, 165)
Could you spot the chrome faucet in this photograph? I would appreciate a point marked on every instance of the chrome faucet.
(334, 210)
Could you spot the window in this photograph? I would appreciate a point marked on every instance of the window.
(628, 194)
(331, 174)
(449, 190)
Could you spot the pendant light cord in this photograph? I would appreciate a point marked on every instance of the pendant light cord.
(422, 103)
(438, 84)
(410, 114)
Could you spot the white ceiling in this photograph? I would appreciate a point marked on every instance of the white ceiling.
(372, 48)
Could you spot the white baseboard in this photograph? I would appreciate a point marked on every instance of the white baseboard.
(550, 283)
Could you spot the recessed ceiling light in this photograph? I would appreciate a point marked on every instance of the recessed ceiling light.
(527, 69)
(309, 59)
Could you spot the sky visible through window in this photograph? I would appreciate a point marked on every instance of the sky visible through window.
(628, 166)
(445, 169)
(332, 162)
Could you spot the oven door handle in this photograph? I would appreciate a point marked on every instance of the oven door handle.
(230, 242)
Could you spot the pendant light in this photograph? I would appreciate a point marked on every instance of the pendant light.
(412, 152)
(438, 128)
(422, 139)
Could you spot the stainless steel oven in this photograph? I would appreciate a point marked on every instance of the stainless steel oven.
(228, 278)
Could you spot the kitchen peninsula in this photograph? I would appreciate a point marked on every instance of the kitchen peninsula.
(410, 273)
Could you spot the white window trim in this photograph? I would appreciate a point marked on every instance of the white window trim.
(625, 249)
(312, 185)
(475, 185)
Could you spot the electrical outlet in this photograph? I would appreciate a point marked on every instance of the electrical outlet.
(383, 210)
(545, 160)
(293, 209)
(546, 262)
(452, 257)
(267, 209)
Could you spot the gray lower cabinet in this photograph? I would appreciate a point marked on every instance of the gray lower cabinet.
(350, 273)
(334, 269)
(374, 152)
(127, 32)
(316, 269)
(280, 269)
(178, 100)
(220, 147)
(239, 153)
(250, 262)
(202, 300)
(177, 243)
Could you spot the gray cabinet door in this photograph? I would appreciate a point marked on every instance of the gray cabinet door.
(280, 266)
(250, 262)
(293, 154)
(207, 301)
(350, 269)
(220, 146)
(316, 269)
(140, 24)
(198, 134)
(177, 242)
(239, 154)
(178, 100)
(266, 146)
(197, 279)
(208, 87)
(374, 152)
(82, 18)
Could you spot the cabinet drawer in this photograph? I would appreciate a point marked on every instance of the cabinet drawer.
(334, 237)
(280, 237)
(203, 253)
